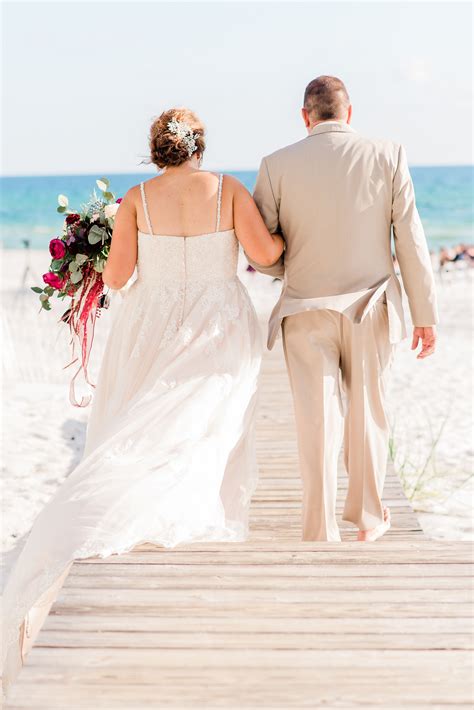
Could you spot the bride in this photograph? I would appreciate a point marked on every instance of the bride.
(169, 456)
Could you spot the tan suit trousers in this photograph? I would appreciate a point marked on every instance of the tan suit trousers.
(338, 375)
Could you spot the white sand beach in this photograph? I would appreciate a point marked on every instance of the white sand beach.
(43, 434)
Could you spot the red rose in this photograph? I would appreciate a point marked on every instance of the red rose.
(71, 218)
(57, 248)
(119, 200)
(54, 280)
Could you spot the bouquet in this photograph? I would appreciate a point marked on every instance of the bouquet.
(75, 272)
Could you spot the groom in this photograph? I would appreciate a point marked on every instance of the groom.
(336, 196)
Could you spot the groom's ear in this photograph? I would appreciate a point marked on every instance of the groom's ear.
(349, 114)
(305, 115)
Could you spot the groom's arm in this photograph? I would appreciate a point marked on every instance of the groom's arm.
(268, 208)
(411, 248)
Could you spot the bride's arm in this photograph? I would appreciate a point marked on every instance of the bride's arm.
(261, 246)
(122, 256)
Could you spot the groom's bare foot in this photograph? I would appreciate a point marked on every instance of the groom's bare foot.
(375, 533)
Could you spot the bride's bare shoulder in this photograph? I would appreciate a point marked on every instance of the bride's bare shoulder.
(130, 199)
(133, 194)
(231, 183)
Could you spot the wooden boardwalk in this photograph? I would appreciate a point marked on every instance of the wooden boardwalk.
(270, 623)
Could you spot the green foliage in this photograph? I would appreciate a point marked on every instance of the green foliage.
(36, 289)
(103, 184)
(96, 234)
(76, 276)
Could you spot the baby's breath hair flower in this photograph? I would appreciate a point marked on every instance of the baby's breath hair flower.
(185, 132)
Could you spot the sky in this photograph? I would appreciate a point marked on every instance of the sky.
(82, 81)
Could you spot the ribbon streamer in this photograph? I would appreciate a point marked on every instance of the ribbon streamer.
(81, 319)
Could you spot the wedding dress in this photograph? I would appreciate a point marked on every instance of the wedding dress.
(170, 453)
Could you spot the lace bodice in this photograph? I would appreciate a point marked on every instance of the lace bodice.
(208, 257)
(177, 259)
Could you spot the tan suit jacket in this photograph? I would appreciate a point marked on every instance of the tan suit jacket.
(335, 196)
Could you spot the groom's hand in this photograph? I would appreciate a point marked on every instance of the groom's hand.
(428, 341)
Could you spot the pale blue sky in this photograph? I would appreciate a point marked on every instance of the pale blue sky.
(84, 80)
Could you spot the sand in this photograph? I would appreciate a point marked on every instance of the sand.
(43, 434)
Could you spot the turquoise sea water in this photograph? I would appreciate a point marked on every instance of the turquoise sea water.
(28, 204)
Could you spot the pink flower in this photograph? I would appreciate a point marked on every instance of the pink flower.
(119, 200)
(57, 248)
(54, 280)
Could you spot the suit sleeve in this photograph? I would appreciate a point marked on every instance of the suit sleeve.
(411, 248)
(268, 208)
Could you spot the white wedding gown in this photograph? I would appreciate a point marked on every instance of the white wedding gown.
(169, 455)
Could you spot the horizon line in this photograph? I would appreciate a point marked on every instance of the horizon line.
(210, 169)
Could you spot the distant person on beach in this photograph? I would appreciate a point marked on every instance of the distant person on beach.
(335, 196)
(461, 255)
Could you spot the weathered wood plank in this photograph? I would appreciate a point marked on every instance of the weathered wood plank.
(270, 609)
(229, 624)
(238, 640)
(375, 572)
(246, 688)
(236, 582)
(459, 661)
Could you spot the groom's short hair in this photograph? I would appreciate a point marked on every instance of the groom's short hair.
(326, 98)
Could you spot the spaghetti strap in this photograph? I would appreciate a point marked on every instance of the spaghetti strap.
(219, 201)
(145, 208)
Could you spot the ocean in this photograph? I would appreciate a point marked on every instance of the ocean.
(28, 204)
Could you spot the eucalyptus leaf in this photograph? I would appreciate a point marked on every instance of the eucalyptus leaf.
(60, 209)
(109, 195)
(96, 234)
(36, 289)
(56, 264)
(46, 305)
(63, 201)
(44, 297)
(99, 265)
(76, 276)
(49, 290)
(73, 266)
(81, 258)
(103, 184)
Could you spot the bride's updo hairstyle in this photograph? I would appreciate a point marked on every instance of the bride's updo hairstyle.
(168, 145)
